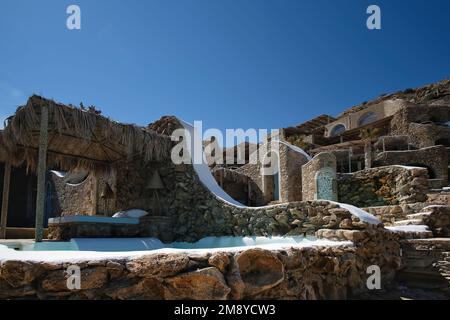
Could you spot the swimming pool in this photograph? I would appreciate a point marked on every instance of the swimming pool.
(149, 244)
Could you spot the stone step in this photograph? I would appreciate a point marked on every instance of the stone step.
(410, 222)
(412, 231)
(419, 215)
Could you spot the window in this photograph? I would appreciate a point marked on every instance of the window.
(367, 118)
(337, 130)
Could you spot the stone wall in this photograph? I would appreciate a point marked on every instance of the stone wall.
(239, 186)
(196, 213)
(437, 218)
(149, 226)
(389, 214)
(291, 163)
(383, 186)
(381, 110)
(292, 273)
(70, 200)
(290, 175)
(419, 122)
(434, 158)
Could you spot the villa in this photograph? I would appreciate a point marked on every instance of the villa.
(366, 188)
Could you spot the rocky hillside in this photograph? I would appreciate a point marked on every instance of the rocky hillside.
(436, 93)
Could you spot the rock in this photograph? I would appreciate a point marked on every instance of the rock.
(260, 270)
(115, 269)
(90, 278)
(8, 292)
(353, 235)
(159, 265)
(346, 224)
(146, 289)
(19, 273)
(203, 284)
(235, 282)
(296, 223)
(220, 261)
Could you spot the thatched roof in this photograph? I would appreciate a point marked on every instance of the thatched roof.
(78, 138)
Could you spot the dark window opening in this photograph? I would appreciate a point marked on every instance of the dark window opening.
(337, 130)
(367, 118)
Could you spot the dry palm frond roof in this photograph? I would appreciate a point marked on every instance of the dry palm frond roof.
(78, 138)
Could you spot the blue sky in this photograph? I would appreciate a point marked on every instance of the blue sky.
(231, 63)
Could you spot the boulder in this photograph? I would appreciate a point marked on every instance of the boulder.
(260, 270)
(220, 261)
(158, 265)
(203, 284)
(19, 273)
(90, 278)
(146, 289)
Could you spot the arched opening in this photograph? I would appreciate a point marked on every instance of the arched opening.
(72, 178)
(337, 130)
(271, 177)
(443, 142)
(431, 173)
(367, 118)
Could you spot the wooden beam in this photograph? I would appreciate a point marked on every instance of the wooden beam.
(5, 200)
(41, 174)
(51, 152)
(94, 194)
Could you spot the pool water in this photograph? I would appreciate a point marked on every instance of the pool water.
(144, 244)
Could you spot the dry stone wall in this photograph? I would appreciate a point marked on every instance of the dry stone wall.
(383, 186)
(190, 212)
(435, 158)
(290, 273)
(70, 200)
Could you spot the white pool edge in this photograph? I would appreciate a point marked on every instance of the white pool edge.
(83, 256)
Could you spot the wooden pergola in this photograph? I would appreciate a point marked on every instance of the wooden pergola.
(45, 134)
(310, 125)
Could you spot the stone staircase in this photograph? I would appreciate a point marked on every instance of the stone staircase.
(409, 222)
(443, 267)
(439, 196)
(426, 264)
(425, 232)
(419, 221)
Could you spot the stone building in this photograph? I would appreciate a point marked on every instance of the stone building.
(97, 167)
(409, 128)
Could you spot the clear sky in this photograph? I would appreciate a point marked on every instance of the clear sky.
(231, 63)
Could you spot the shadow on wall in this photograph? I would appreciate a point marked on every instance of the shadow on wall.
(430, 170)
(22, 198)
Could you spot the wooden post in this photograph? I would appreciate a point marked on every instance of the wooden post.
(41, 171)
(95, 195)
(5, 200)
(350, 153)
(249, 192)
